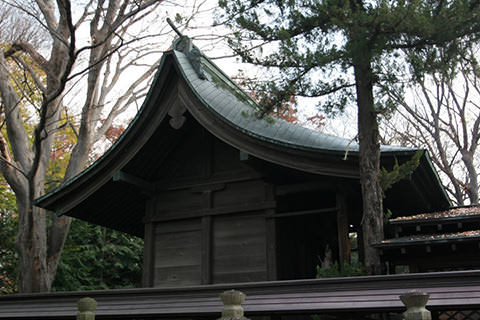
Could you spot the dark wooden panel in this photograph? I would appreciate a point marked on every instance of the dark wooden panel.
(226, 158)
(177, 276)
(253, 262)
(189, 158)
(239, 248)
(206, 250)
(178, 253)
(232, 277)
(171, 202)
(271, 248)
(243, 192)
(148, 255)
(177, 226)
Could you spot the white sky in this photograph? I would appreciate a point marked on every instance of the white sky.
(206, 38)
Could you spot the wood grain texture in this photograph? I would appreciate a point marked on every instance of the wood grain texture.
(178, 253)
(239, 249)
(448, 291)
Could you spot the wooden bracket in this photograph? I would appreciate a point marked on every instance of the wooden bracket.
(133, 180)
(176, 112)
(244, 156)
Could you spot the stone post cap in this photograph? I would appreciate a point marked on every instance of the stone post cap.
(415, 298)
(86, 304)
(234, 297)
(232, 305)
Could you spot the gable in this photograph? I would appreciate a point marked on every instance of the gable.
(189, 128)
(197, 155)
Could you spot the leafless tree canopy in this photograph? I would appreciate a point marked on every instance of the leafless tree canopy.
(443, 116)
(61, 66)
(16, 25)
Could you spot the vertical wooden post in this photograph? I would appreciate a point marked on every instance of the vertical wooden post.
(149, 246)
(342, 230)
(232, 305)
(271, 234)
(86, 308)
(206, 270)
(415, 301)
(270, 226)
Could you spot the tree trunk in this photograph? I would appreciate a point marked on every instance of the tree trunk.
(372, 221)
(38, 254)
(31, 246)
(472, 184)
(24, 162)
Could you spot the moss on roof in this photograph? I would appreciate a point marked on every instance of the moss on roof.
(452, 213)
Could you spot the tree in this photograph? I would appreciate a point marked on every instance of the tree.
(89, 250)
(287, 110)
(338, 48)
(25, 159)
(443, 115)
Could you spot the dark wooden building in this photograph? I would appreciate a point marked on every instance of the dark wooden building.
(223, 196)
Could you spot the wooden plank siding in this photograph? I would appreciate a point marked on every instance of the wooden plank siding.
(241, 232)
(250, 220)
(239, 248)
(448, 291)
(178, 253)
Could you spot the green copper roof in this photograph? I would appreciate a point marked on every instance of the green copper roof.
(224, 97)
(223, 101)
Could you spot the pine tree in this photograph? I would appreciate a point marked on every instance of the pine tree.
(341, 48)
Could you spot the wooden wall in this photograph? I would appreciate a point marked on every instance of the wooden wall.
(239, 248)
(220, 219)
(178, 253)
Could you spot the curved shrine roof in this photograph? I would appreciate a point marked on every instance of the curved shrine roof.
(222, 96)
(189, 81)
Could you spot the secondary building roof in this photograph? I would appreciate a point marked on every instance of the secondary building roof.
(455, 214)
(450, 226)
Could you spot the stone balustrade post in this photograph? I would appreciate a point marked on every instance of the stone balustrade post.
(86, 308)
(232, 305)
(415, 301)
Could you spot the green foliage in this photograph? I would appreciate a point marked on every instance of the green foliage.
(388, 214)
(95, 257)
(399, 171)
(352, 269)
(8, 230)
(65, 139)
(22, 80)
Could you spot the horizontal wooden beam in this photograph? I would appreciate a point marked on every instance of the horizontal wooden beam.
(448, 291)
(303, 212)
(180, 215)
(281, 190)
(133, 180)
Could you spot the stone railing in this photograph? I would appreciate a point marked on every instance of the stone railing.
(414, 301)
